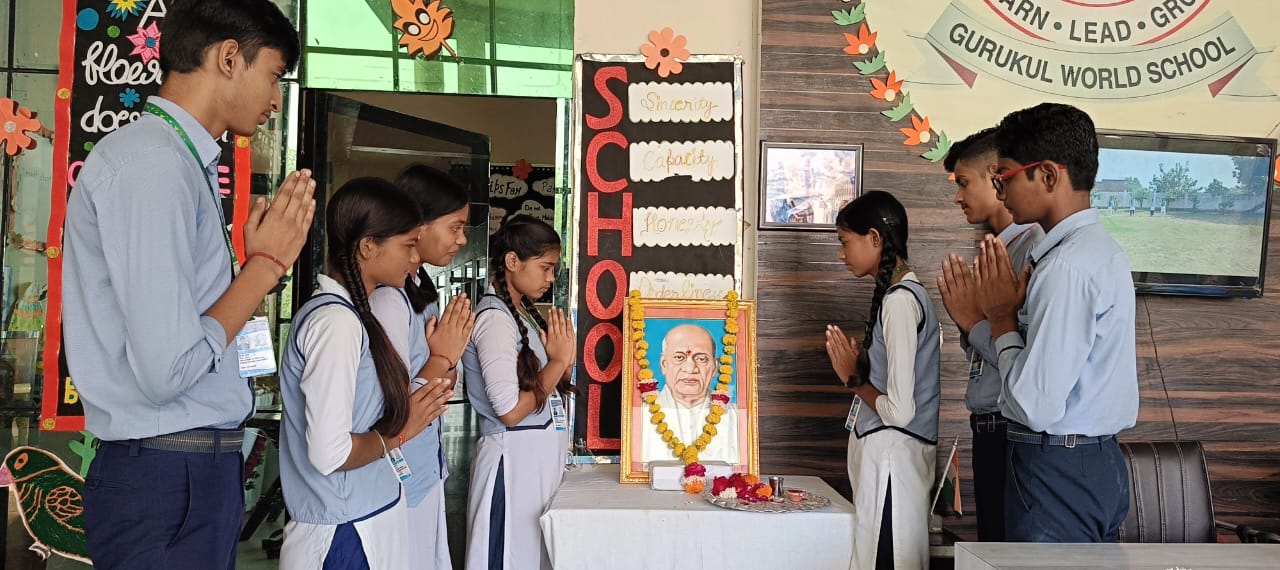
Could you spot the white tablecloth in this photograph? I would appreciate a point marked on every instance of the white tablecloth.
(595, 522)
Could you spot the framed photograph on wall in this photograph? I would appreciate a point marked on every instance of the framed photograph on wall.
(693, 358)
(803, 186)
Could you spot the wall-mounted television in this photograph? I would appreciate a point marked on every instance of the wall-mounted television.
(1191, 211)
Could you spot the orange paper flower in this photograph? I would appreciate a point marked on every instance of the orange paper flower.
(861, 43)
(665, 51)
(888, 89)
(919, 134)
(15, 122)
(522, 170)
(424, 27)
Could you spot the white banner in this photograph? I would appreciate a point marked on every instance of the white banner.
(680, 102)
(975, 49)
(670, 227)
(1098, 22)
(668, 285)
(701, 160)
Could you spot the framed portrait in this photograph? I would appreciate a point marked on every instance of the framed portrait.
(681, 345)
(803, 186)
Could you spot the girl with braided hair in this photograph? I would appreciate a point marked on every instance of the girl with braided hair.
(894, 375)
(430, 343)
(516, 368)
(347, 406)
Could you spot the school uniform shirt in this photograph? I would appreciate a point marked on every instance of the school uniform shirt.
(1076, 372)
(145, 257)
(424, 453)
(330, 389)
(517, 469)
(406, 331)
(892, 449)
(982, 394)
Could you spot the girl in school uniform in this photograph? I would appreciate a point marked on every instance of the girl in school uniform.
(517, 367)
(431, 344)
(347, 407)
(894, 376)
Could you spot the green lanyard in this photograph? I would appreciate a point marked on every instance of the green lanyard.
(157, 111)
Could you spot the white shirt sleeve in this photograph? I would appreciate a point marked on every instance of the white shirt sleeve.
(497, 346)
(331, 346)
(392, 311)
(900, 317)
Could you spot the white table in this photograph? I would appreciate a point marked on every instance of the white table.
(596, 522)
(992, 555)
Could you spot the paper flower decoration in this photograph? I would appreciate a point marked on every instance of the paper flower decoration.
(861, 43)
(146, 43)
(888, 89)
(122, 9)
(130, 97)
(665, 51)
(15, 122)
(424, 27)
(522, 169)
(917, 135)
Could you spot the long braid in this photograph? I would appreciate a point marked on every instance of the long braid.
(422, 293)
(564, 386)
(527, 365)
(392, 376)
(884, 279)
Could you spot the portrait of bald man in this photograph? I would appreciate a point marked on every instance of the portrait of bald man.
(687, 367)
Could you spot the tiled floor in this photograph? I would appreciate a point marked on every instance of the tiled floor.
(460, 432)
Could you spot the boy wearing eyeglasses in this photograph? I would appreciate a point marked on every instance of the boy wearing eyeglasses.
(972, 162)
(1070, 383)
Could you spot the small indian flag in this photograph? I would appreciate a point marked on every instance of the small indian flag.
(949, 486)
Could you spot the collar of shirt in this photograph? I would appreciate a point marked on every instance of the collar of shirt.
(1066, 227)
(326, 284)
(208, 148)
(1012, 231)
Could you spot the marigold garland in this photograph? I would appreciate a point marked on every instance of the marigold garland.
(694, 472)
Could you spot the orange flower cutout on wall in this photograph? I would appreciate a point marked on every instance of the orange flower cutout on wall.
(522, 169)
(919, 134)
(15, 122)
(861, 43)
(888, 89)
(665, 51)
(424, 27)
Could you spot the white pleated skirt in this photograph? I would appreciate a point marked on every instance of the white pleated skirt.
(515, 476)
(383, 538)
(429, 534)
(909, 462)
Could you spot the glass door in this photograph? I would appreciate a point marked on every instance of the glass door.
(345, 139)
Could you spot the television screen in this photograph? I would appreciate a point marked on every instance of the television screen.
(1191, 211)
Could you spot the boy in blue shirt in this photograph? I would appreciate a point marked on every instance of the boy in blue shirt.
(1071, 383)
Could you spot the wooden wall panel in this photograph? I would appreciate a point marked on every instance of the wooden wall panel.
(1207, 367)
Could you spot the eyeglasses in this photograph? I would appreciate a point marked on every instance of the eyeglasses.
(998, 179)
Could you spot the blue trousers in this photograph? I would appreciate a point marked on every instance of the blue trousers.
(1060, 494)
(149, 509)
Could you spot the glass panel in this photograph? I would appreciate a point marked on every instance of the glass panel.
(331, 71)
(361, 26)
(25, 268)
(422, 76)
(544, 24)
(534, 82)
(36, 34)
(4, 25)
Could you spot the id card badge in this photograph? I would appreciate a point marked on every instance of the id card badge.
(399, 465)
(852, 420)
(976, 364)
(253, 348)
(558, 414)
